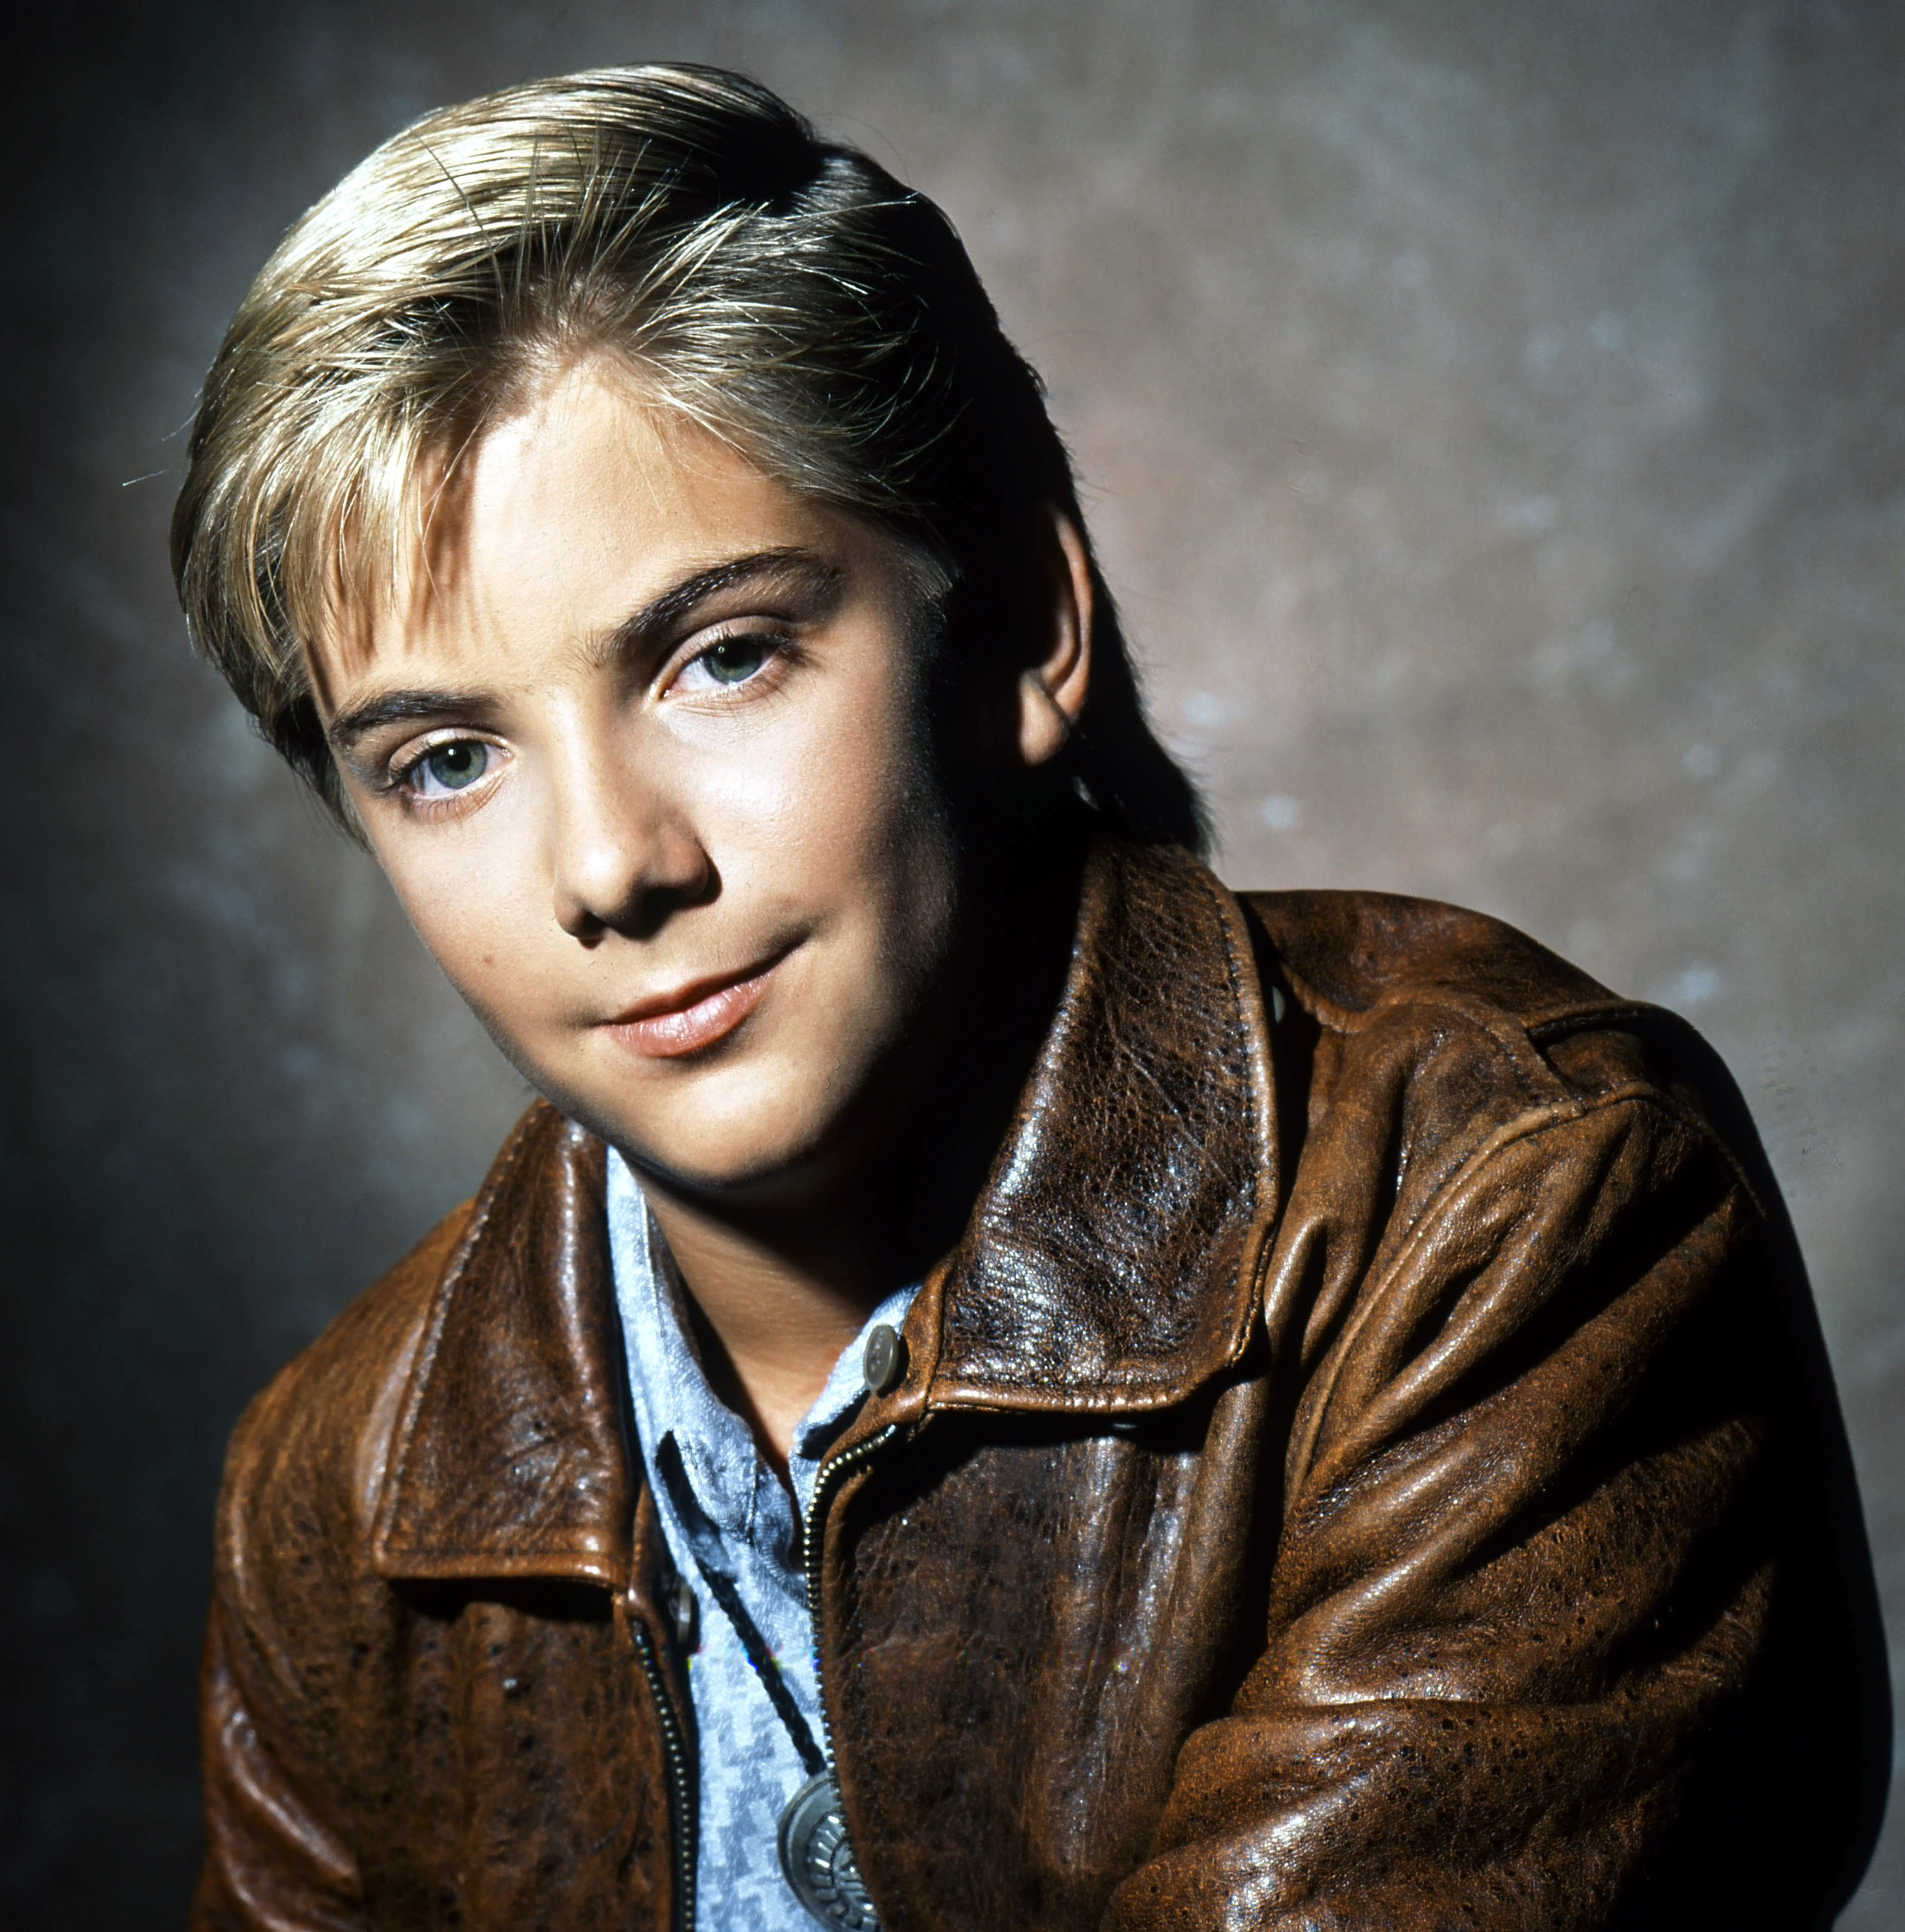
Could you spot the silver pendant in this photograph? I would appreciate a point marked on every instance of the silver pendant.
(817, 1857)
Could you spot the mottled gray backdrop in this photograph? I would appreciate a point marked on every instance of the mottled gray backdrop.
(1491, 410)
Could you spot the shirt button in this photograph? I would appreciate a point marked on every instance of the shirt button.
(684, 1612)
(884, 1360)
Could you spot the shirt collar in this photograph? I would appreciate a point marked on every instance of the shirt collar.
(669, 1388)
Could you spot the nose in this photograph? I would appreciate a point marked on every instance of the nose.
(625, 855)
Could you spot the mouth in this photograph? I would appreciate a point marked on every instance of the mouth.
(691, 1018)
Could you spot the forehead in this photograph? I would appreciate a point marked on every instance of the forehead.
(587, 503)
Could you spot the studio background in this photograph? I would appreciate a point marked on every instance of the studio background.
(1490, 411)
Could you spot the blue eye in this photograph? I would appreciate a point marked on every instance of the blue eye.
(735, 660)
(454, 766)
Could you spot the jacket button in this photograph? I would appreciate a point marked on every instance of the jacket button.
(884, 1361)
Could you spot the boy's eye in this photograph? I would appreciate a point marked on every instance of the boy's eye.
(452, 767)
(734, 660)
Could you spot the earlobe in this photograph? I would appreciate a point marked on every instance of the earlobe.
(1052, 692)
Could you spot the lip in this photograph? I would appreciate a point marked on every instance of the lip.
(686, 1020)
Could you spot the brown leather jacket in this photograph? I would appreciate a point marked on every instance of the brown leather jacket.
(1359, 1469)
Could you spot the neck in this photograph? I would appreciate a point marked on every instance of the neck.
(771, 1315)
(778, 1292)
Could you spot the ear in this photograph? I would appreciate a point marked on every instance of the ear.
(1051, 693)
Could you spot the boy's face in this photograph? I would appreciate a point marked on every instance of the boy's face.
(644, 751)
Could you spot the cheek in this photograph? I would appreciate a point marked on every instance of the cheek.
(481, 906)
(837, 805)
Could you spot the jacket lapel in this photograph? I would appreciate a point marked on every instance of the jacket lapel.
(509, 1458)
(1111, 1265)
(1112, 1261)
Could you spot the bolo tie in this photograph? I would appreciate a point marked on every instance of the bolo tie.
(816, 1855)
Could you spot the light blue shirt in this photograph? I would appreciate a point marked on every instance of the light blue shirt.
(716, 1499)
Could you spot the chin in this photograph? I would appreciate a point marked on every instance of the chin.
(723, 1130)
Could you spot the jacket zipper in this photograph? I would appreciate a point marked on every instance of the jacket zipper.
(674, 1749)
(674, 1744)
(824, 1484)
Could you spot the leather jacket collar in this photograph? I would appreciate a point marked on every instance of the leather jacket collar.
(1111, 1265)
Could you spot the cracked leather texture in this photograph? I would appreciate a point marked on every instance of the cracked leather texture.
(1358, 1472)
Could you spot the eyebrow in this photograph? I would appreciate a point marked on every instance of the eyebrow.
(799, 569)
(398, 707)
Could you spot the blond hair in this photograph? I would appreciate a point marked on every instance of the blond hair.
(785, 293)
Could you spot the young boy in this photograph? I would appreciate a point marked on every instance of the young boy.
(1003, 1385)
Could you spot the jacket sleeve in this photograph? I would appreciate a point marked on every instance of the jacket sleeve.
(1530, 1564)
(279, 1855)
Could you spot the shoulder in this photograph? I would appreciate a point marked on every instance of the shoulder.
(333, 1405)
(305, 1468)
(1347, 956)
(1448, 1034)
(327, 1418)
(313, 1459)
(306, 1461)
(302, 1478)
